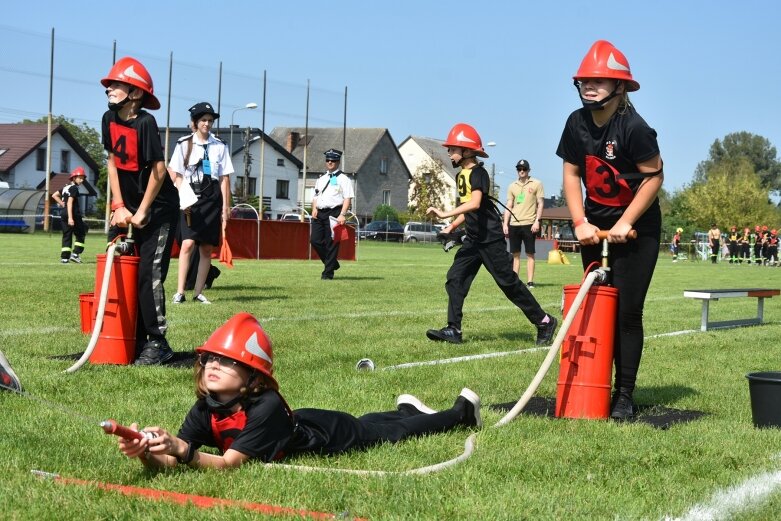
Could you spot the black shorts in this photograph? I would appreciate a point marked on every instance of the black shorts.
(522, 234)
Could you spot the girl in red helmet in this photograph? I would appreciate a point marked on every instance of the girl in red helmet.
(71, 219)
(240, 412)
(609, 148)
(484, 243)
(142, 194)
(772, 248)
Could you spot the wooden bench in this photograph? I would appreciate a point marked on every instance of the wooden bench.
(707, 295)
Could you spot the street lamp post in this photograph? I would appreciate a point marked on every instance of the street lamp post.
(245, 107)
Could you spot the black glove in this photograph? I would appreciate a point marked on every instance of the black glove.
(451, 239)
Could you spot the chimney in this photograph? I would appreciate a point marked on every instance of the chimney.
(292, 141)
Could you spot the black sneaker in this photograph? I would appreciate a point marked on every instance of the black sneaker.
(155, 352)
(75, 257)
(411, 404)
(530, 285)
(446, 334)
(470, 403)
(623, 408)
(8, 379)
(545, 331)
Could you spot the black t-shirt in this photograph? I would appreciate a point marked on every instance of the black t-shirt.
(136, 147)
(605, 153)
(485, 224)
(261, 431)
(70, 191)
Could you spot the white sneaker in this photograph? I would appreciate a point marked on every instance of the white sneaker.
(408, 399)
(471, 402)
(75, 258)
(200, 298)
(178, 298)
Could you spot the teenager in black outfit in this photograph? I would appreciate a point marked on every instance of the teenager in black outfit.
(484, 243)
(608, 147)
(241, 413)
(142, 194)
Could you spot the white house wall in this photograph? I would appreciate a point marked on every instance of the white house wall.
(271, 174)
(25, 176)
(414, 156)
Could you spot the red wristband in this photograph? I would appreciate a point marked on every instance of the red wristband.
(117, 206)
(580, 221)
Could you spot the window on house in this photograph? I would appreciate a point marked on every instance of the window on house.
(40, 159)
(280, 162)
(283, 189)
(386, 197)
(239, 186)
(252, 185)
(65, 161)
(384, 165)
(3, 151)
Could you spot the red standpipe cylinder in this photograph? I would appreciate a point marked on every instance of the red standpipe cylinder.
(117, 340)
(586, 368)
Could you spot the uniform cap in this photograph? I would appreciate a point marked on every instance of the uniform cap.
(199, 109)
(333, 155)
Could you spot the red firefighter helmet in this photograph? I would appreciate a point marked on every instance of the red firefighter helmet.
(773, 231)
(243, 339)
(131, 71)
(78, 171)
(603, 60)
(733, 228)
(764, 227)
(465, 136)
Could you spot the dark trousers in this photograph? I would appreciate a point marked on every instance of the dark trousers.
(78, 230)
(331, 432)
(715, 251)
(631, 268)
(467, 262)
(154, 242)
(323, 243)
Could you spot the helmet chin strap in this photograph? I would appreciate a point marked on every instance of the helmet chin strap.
(115, 107)
(596, 105)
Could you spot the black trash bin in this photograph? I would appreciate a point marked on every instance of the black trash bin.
(765, 390)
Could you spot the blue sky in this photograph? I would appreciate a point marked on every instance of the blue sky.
(706, 68)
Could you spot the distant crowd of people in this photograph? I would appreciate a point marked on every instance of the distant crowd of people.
(757, 247)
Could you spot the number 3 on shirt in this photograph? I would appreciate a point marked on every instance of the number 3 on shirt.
(603, 185)
(124, 146)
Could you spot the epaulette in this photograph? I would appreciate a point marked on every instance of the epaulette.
(218, 138)
(185, 138)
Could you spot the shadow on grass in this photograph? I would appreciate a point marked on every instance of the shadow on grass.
(656, 415)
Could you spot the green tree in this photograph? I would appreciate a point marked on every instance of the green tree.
(428, 188)
(385, 212)
(757, 149)
(731, 194)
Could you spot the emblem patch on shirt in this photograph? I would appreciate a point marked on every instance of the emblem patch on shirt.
(610, 150)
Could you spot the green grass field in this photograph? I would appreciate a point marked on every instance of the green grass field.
(380, 307)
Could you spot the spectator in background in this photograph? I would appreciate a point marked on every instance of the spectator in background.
(677, 244)
(714, 240)
(521, 221)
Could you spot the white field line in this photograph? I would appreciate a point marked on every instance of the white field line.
(725, 504)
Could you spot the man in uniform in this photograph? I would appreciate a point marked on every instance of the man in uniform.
(333, 195)
(525, 198)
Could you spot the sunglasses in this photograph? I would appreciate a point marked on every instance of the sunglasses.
(331, 160)
(522, 169)
(223, 361)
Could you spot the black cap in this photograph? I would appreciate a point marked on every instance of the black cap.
(522, 164)
(199, 109)
(333, 155)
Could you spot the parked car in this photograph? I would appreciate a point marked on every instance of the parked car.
(382, 231)
(419, 232)
(295, 217)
